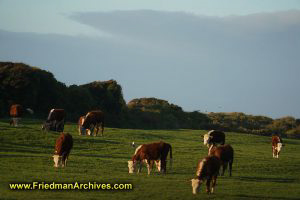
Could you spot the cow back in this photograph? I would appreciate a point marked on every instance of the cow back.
(223, 152)
(93, 117)
(16, 110)
(56, 114)
(64, 144)
(208, 167)
(276, 139)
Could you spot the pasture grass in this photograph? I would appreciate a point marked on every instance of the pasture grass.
(26, 152)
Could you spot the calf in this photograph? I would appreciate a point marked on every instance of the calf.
(208, 168)
(16, 112)
(225, 154)
(93, 119)
(131, 170)
(152, 152)
(214, 137)
(63, 146)
(55, 120)
(276, 145)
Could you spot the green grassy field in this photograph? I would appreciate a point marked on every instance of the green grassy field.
(26, 152)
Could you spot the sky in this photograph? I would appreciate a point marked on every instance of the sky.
(205, 55)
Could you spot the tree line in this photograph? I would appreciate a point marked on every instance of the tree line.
(38, 89)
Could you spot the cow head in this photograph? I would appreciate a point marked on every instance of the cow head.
(196, 185)
(57, 160)
(131, 166)
(206, 139)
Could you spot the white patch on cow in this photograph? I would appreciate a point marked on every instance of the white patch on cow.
(30, 110)
(279, 146)
(137, 149)
(131, 166)
(82, 121)
(205, 139)
(57, 160)
(195, 185)
(158, 165)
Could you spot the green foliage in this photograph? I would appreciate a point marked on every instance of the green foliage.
(39, 90)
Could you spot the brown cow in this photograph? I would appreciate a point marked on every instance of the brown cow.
(152, 152)
(93, 119)
(157, 162)
(55, 120)
(16, 112)
(63, 146)
(225, 154)
(276, 145)
(208, 168)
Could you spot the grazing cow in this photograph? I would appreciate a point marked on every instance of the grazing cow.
(276, 145)
(208, 168)
(214, 137)
(63, 146)
(16, 112)
(55, 120)
(225, 154)
(152, 152)
(93, 119)
(131, 170)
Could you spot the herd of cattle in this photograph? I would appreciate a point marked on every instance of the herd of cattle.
(219, 153)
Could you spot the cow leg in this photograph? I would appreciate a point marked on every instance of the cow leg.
(208, 185)
(230, 167)
(224, 168)
(97, 129)
(214, 181)
(149, 165)
(102, 128)
(140, 165)
(163, 166)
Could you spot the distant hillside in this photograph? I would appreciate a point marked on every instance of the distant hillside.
(38, 89)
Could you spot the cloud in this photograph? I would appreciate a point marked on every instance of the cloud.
(243, 63)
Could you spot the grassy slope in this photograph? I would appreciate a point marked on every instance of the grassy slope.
(26, 156)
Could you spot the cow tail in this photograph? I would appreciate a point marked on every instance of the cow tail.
(171, 158)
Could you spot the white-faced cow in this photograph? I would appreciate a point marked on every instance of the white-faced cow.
(81, 130)
(225, 153)
(55, 121)
(207, 169)
(93, 119)
(276, 145)
(16, 112)
(152, 152)
(63, 146)
(214, 137)
(139, 163)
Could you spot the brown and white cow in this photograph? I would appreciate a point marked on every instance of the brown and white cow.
(207, 169)
(93, 119)
(63, 146)
(152, 152)
(225, 153)
(16, 112)
(55, 120)
(139, 163)
(213, 137)
(276, 145)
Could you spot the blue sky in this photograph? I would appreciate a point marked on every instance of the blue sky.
(214, 56)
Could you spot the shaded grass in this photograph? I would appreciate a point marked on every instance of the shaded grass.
(25, 154)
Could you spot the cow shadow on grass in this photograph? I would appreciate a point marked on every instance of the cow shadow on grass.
(267, 179)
